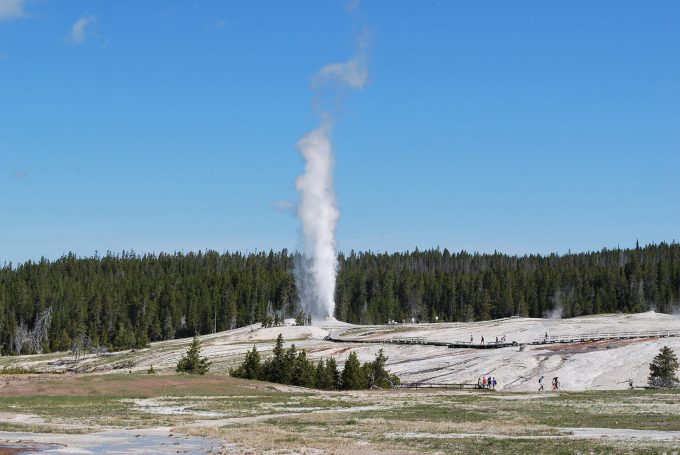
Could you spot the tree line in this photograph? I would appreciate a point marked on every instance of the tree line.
(127, 300)
(436, 285)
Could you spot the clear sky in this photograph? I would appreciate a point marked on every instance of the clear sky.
(526, 127)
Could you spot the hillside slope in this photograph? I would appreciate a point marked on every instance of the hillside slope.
(588, 365)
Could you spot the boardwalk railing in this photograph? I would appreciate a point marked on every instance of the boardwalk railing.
(599, 336)
(550, 339)
(427, 385)
(490, 345)
(409, 340)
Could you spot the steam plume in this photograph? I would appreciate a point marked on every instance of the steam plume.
(318, 209)
(352, 73)
(318, 212)
(558, 309)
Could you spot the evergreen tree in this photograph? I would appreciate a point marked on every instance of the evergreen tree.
(662, 369)
(321, 378)
(250, 368)
(353, 375)
(303, 371)
(63, 343)
(274, 368)
(376, 374)
(192, 362)
(332, 374)
(288, 365)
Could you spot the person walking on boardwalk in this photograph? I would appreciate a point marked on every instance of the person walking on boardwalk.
(493, 383)
(479, 383)
(483, 382)
(556, 383)
(482, 340)
(471, 338)
(540, 383)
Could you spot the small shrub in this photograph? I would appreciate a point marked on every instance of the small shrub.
(192, 362)
(18, 370)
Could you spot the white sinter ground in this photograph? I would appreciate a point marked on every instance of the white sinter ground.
(579, 366)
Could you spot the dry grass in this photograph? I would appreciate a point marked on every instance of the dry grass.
(126, 385)
(265, 418)
(269, 438)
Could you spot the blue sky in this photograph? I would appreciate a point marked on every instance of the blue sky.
(526, 127)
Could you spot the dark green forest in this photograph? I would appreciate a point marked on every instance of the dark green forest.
(127, 300)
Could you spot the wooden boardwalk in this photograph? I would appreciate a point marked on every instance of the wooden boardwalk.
(422, 341)
(549, 339)
(491, 345)
(601, 336)
(427, 385)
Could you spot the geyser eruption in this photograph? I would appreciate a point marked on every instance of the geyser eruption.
(316, 270)
(318, 212)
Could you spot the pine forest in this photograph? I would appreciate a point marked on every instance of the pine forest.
(127, 300)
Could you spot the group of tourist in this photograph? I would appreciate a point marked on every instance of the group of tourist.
(555, 383)
(482, 342)
(486, 383)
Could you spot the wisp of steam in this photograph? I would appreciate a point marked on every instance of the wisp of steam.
(318, 209)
